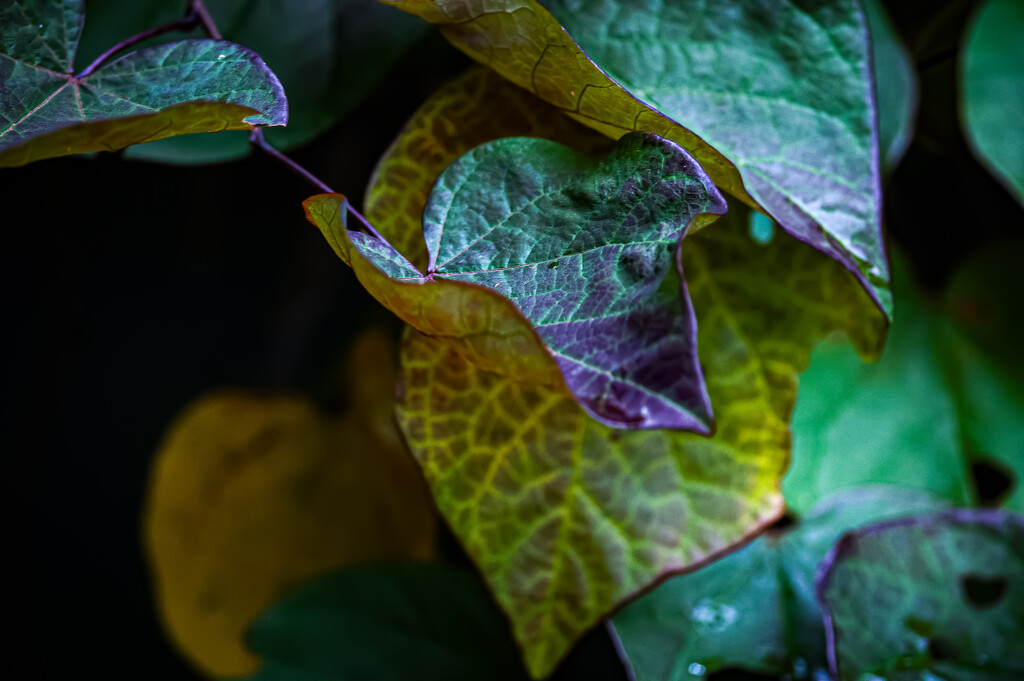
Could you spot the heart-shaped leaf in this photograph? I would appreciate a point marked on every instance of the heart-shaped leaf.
(569, 519)
(177, 88)
(934, 596)
(251, 494)
(774, 102)
(586, 250)
(328, 54)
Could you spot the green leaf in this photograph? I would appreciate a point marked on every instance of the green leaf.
(586, 250)
(895, 85)
(948, 389)
(992, 90)
(177, 88)
(477, 107)
(567, 518)
(934, 596)
(776, 104)
(755, 609)
(328, 54)
(399, 622)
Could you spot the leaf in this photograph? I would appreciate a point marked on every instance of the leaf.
(477, 107)
(178, 88)
(992, 90)
(895, 83)
(585, 249)
(250, 495)
(568, 519)
(775, 103)
(934, 401)
(755, 609)
(939, 595)
(348, 625)
(328, 54)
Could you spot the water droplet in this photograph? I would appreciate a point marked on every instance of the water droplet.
(800, 668)
(714, 616)
(762, 228)
(696, 668)
(40, 25)
(220, 57)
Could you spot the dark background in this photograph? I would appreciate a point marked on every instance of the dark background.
(130, 289)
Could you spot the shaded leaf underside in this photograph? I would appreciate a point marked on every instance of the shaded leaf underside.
(183, 87)
(776, 100)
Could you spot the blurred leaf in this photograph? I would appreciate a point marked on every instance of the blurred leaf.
(399, 622)
(567, 518)
(895, 85)
(251, 495)
(754, 609)
(946, 390)
(329, 55)
(585, 249)
(992, 90)
(934, 596)
(477, 107)
(776, 102)
(173, 89)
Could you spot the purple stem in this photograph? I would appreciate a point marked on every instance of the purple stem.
(195, 15)
(257, 139)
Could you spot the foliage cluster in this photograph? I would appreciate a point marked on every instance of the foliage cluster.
(615, 244)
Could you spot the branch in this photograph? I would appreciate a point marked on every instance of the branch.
(195, 15)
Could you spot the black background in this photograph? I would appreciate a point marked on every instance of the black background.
(131, 288)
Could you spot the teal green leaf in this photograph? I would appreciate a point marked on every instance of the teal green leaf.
(156, 92)
(895, 85)
(992, 90)
(397, 622)
(328, 54)
(587, 250)
(774, 101)
(936, 596)
(755, 609)
(948, 389)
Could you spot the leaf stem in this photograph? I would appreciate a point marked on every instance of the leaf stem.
(195, 15)
(258, 141)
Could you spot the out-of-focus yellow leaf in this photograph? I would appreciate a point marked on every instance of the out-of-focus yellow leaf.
(252, 495)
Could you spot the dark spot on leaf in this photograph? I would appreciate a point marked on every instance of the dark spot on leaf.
(615, 436)
(553, 265)
(992, 479)
(786, 521)
(919, 627)
(982, 591)
(941, 649)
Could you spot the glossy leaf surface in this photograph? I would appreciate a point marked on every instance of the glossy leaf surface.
(177, 88)
(568, 519)
(477, 107)
(951, 587)
(992, 90)
(251, 495)
(585, 249)
(328, 54)
(774, 102)
(755, 609)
